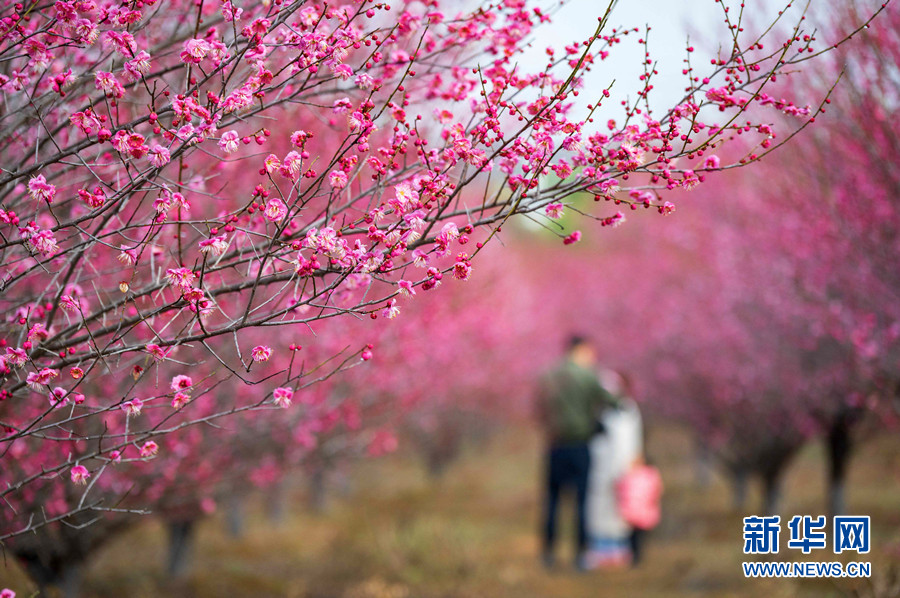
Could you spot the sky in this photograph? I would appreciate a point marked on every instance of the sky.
(672, 23)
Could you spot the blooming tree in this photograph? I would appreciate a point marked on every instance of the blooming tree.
(836, 238)
(193, 195)
(768, 315)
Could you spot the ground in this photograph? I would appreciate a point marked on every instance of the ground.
(399, 534)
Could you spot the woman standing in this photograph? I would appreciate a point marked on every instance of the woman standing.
(612, 454)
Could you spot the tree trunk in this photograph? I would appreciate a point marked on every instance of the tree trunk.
(234, 515)
(276, 506)
(70, 581)
(436, 464)
(703, 465)
(772, 490)
(181, 540)
(318, 495)
(739, 488)
(839, 449)
(67, 577)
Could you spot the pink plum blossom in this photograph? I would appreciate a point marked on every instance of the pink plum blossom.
(41, 190)
(283, 397)
(261, 353)
(229, 142)
(181, 382)
(149, 449)
(275, 210)
(79, 475)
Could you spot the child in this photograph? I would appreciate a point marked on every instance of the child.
(638, 492)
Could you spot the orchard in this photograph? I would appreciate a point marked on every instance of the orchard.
(267, 239)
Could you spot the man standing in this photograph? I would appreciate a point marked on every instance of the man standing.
(569, 403)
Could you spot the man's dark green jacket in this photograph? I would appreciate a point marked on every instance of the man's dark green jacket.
(570, 401)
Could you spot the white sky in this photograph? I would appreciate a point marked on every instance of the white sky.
(671, 22)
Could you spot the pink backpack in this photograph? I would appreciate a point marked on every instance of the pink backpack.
(638, 492)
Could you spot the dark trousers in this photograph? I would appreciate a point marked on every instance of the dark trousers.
(567, 467)
(637, 545)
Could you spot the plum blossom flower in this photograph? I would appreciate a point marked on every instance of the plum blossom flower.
(275, 210)
(58, 397)
(120, 41)
(79, 475)
(215, 245)
(271, 163)
(229, 142)
(16, 356)
(562, 169)
(307, 267)
(342, 70)
(181, 277)
(420, 258)
(180, 400)
(342, 105)
(149, 449)
(609, 186)
(450, 230)
(573, 238)
(364, 81)
(195, 50)
(198, 302)
(44, 243)
(157, 352)
(292, 165)
(159, 156)
(712, 162)
(127, 256)
(326, 241)
(130, 143)
(181, 382)
(338, 179)
(95, 199)
(86, 31)
(720, 95)
(38, 333)
(690, 180)
(139, 66)
(41, 190)
(299, 137)
(554, 210)
(108, 84)
(41, 378)
(7, 593)
(261, 353)
(133, 407)
(283, 397)
(392, 310)
(613, 221)
(406, 288)
(406, 195)
(462, 269)
(355, 122)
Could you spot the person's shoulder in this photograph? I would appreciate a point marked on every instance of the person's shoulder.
(551, 374)
(574, 369)
(560, 367)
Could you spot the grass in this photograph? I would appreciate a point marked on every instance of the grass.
(472, 533)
